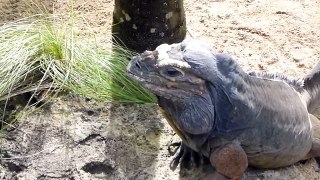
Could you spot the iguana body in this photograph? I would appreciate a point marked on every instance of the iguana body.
(234, 118)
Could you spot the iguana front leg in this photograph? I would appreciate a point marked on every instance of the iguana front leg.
(230, 162)
(186, 156)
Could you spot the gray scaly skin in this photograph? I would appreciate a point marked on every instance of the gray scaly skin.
(233, 118)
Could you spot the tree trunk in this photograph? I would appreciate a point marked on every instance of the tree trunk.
(144, 24)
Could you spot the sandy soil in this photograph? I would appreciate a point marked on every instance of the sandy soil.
(78, 139)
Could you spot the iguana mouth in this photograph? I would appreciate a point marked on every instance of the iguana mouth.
(137, 78)
(166, 91)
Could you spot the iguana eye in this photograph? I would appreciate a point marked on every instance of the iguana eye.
(172, 72)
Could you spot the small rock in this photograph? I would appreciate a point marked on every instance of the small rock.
(261, 67)
(301, 65)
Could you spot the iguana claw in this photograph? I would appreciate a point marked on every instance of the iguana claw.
(185, 156)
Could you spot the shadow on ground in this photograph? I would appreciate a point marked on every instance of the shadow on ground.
(79, 139)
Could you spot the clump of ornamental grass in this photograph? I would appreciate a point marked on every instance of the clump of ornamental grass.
(40, 57)
(20, 71)
(99, 74)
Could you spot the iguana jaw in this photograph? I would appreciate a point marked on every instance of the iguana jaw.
(159, 90)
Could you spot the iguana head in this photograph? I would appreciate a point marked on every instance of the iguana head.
(194, 85)
(173, 71)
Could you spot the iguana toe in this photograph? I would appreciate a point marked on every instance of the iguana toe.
(187, 157)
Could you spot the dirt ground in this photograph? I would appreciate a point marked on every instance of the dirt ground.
(76, 138)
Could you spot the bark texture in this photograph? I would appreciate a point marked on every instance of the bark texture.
(144, 24)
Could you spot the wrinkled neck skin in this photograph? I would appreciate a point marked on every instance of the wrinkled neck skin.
(214, 113)
(193, 116)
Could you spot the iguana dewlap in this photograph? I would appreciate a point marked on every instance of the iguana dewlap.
(234, 118)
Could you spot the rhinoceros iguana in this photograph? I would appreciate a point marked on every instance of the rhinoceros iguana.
(232, 117)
